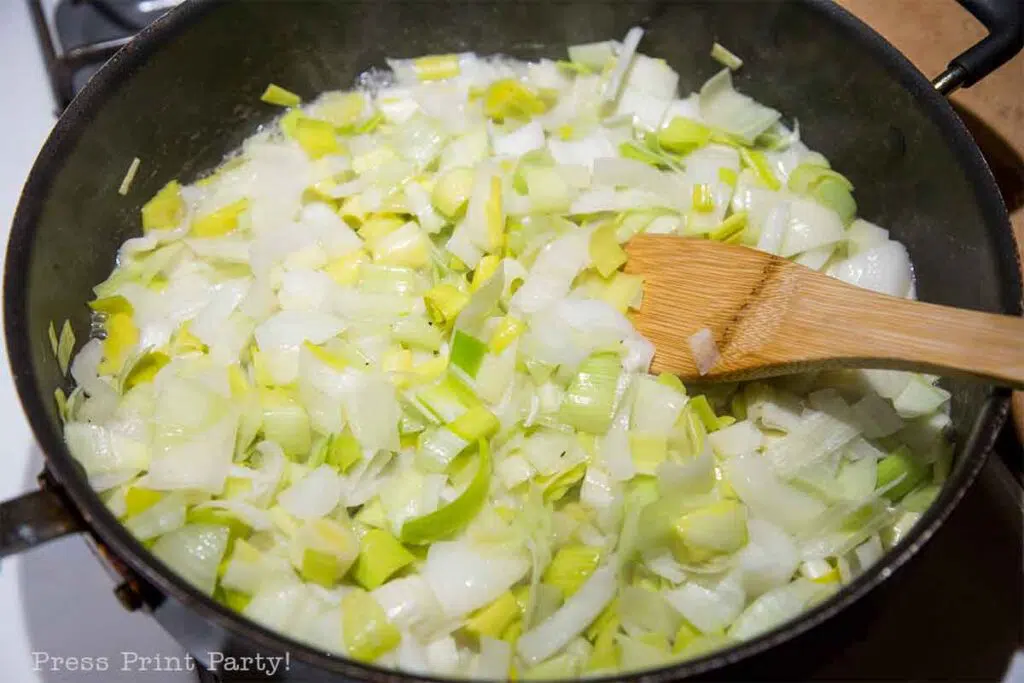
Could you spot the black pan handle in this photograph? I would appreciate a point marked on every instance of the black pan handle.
(1005, 38)
(35, 518)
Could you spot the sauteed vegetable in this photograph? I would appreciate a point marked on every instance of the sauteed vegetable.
(373, 383)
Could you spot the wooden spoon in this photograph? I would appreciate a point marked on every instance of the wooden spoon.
(770, 316)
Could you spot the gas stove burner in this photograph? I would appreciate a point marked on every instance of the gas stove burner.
(82, 35)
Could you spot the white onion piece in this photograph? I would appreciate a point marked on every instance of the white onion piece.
(705, 351)
(465, 578)
(570, 619)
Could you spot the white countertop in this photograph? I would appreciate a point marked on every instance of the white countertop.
(56, 600)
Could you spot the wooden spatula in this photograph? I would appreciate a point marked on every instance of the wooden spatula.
(770, 316)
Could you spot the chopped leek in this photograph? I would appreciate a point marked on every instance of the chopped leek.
(682, 136)
(365, 627)
(220, 222)
(467, 353)
(589, 402)
(571, 566)
(275, 94)
(447, 520)
(165, 210)
(496, 618)
(724, 57)
(129, 177)
(605, 251)
(899, 473)
(375, 382)
(510, 99)
(380, 556)
(65, 347)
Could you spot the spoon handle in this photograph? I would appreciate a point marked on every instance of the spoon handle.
(830, 319)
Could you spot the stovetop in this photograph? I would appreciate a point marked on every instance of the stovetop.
(953, 614)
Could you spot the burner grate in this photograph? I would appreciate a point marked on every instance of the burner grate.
(84, 34)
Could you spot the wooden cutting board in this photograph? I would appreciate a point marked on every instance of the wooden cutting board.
(930, 33)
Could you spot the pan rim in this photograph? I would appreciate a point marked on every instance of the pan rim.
(973, 451)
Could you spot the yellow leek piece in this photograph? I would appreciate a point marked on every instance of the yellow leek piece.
(605, 655)
(406, 247)
(700, 407)
(703, 199)
(236, 600)
(732, 227)
(184, 342)
(320, 567)
(129, 177)
(557, 486)
(65, 346)
(378, 226)
(649, 451)
(352, 211)
(344, 450)
(728, 176)
(476, 423)
(344, 110)
(369, 125)
(672, 381)
(683, 135)
(220, 222)
(903, 465)
(52, 334)
(373, 514)
(138, 498)
(345, 269)
(122, 336)
(512, 633)
(111, 304)
(145, 369)
(316, 137)
(62, 403)
(285, 422)
(452, 190)
(436, 67)
(236, 527)
(756, 161)
(496, 618)
(165, 210)
(429, 370)
(487, 267)
(571, 566)
(509, 329)
(444, 302)
(380, 556)
(237, 487)
(397, 361)
(820, 571)
(328, 358)
(365, 627)
(495, 214)
(510, 99)
(684, 636)
(714, 529)
(275, 94)
(605, 251)
(623, 291)
(725, 57)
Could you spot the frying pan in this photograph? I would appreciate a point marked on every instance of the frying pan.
(186, 91)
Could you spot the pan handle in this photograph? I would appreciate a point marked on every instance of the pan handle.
(35, 518)
(1003, 20)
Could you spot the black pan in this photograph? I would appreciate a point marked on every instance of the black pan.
(186, 91)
